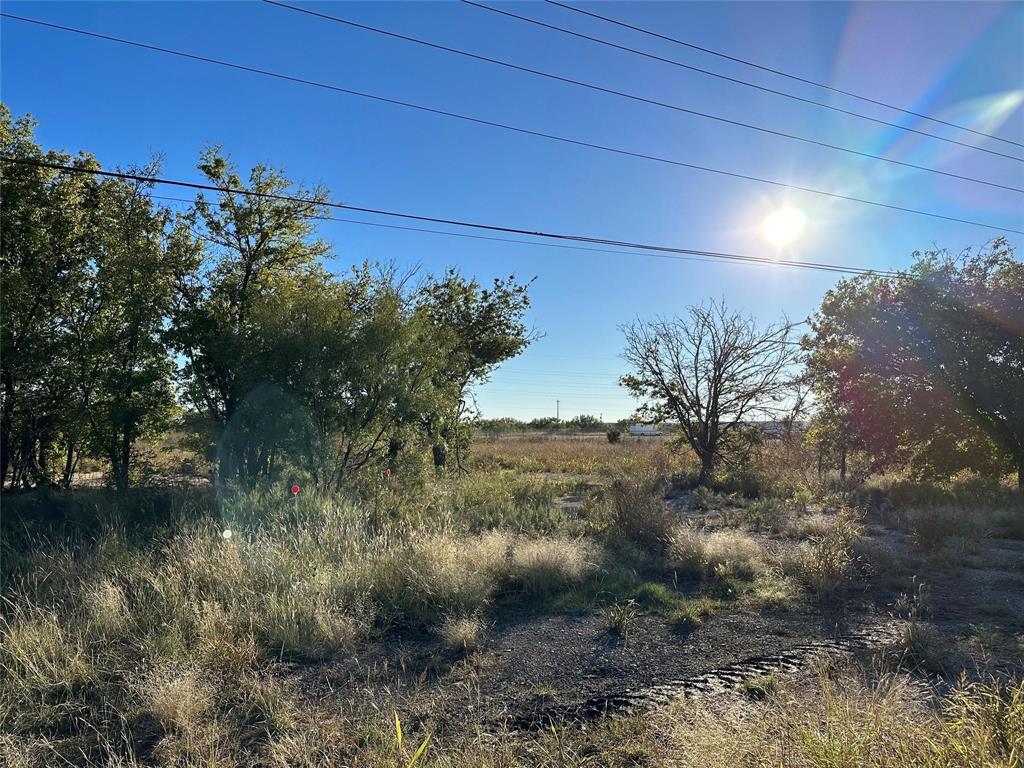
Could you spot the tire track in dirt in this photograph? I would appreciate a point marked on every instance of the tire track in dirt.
(793, 660)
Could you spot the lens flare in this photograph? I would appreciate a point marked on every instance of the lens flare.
(783, 226)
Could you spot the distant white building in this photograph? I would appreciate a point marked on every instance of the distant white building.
(641, 430)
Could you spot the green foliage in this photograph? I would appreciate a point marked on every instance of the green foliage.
(614, 435)
(474, 329)
(499, 426)
(89, 274)
(546, 423)
(286, 369)
(926, 369)
(765, 513)
(586, 423)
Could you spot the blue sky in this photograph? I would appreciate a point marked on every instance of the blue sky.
(961, 62)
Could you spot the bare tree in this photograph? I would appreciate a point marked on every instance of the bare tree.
(710, 371)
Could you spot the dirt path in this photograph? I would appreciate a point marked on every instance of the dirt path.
(531, 668)
(799, 658)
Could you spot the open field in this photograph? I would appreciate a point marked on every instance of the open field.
(569, 602)
(594, 439)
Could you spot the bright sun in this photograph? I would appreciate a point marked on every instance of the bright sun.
(783, 226)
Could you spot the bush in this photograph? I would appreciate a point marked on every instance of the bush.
(825, 563)
(703, 499)
(800, 501)
(614, 435)
(931, 528)
(639, 515)
(765, 513)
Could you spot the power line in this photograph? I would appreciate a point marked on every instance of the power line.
(765, 263)
(631, 96)
(453, 222)
(779, 72)
(738, 81)
(515, 129)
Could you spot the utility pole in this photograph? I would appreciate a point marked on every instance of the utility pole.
(557, 403)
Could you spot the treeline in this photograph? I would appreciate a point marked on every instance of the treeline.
(122, 318)
(581, 423)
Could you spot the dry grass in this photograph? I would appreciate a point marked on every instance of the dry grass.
(461, 634)
(719, 553)
(178, 696)
(166, 650)
(542, 566)
(824, 563)
(639, 515)
(580, 456)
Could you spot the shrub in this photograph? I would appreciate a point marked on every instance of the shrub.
(703, 499)
(800, 501)
(1008, 522)
(742, 479)
(765, 513)
(639, 515)
(931, 528)
(614, 435)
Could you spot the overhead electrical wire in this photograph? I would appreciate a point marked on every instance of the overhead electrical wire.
(631, 96)
(517, 241)
(762, 67)
(738, 81)
(505, 126)
(563, 237)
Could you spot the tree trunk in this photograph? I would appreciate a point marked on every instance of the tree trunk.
(124, 477)
(707, 469)
(6, 426)
(69, 465)
(440, 456)
(842, 462)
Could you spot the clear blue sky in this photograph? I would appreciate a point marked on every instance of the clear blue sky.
(960, 61)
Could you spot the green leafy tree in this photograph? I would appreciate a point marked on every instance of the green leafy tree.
(255, 246)
(586, 423)
(927, 368)
(88, 277)
(141, 259)
(477, 328)
(47, 299)
(360, 359)
(546, 423)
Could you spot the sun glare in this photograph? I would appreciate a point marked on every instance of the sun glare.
(783, 226)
